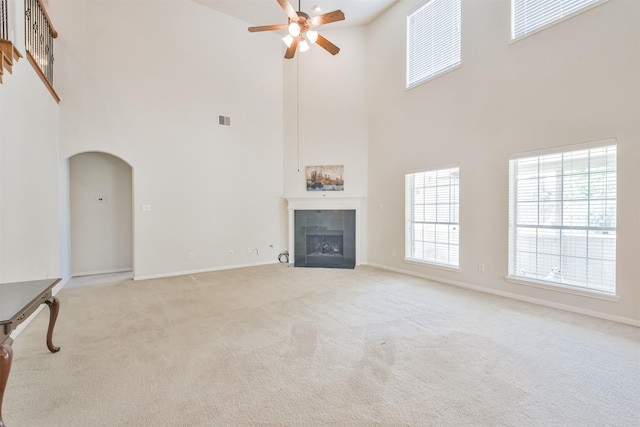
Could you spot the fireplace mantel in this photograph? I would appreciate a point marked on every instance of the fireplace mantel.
(326, 203)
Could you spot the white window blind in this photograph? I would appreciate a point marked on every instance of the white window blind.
(562, 218)
(530, 15)
(433, 40)
(432, 211)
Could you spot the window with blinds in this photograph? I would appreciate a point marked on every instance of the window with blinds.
(562, 218)
(528, 16)
(432, 214)
(433, 40)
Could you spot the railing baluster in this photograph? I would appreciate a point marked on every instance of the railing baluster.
(47, 50)
(28, 22)
(38, 42)
(4, 18)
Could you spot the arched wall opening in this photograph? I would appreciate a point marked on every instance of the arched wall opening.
(101, 214)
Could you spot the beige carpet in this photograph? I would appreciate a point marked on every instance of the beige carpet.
(274, 345)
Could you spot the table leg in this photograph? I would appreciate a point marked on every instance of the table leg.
(54, 307)
(6, 355)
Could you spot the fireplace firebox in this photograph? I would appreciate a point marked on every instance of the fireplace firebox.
(325, 238)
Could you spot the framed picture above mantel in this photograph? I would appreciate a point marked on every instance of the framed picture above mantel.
(325, 178)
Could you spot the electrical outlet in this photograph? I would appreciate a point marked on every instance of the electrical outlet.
(393, 252)
(481, 268)
(231, 252)
(191, 255)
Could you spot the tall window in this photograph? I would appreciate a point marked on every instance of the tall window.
(433, 225)
(562, 218)
(528, 16)
(433, 40)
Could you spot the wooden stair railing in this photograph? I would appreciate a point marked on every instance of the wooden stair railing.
(8, 52)
(8, 55)
(39, 35)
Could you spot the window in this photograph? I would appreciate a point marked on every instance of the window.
(527, 16)
(433, 40)
(432, 230)
(562, 218)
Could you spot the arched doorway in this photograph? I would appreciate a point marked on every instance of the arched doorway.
(101, 215)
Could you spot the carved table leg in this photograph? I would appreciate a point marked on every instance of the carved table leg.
(54, 307)
(6, 354)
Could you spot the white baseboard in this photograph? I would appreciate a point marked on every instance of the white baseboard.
(95, 273)
(578, 310)
(204, 270)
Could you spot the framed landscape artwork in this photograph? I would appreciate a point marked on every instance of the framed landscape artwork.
(325, 178)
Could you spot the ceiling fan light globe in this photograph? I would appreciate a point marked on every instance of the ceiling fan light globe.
(288, 39)
(304, 46)
(294, 29)
(312, 36)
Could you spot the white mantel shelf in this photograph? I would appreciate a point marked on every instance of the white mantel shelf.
(326, 203)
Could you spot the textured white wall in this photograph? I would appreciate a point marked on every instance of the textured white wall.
(29, 216)
(146, 81)
(574, 82)
(28, 177)
(332, 113)
(101, 231)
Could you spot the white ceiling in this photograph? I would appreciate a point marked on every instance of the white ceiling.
(268, 12)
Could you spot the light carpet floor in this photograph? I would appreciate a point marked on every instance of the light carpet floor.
(275, 346)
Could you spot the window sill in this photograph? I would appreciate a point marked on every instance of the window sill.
(433, 77)
(432, 264)
(563, 289)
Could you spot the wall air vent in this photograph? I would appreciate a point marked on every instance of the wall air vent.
(224, 120)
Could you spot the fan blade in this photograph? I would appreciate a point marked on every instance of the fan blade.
(291, 12)
(327, 18)
(327, 45)
(268, 28)
(291, 51)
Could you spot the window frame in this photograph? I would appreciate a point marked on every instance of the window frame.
(513, 38)
(410, 47)
(410, 222)
(586, 288)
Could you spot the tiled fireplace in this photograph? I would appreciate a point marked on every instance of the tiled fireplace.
(324, 233)
(325, 238)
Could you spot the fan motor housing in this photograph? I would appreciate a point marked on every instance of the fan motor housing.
(303, 21)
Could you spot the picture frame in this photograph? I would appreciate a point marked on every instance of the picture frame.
(325, 178)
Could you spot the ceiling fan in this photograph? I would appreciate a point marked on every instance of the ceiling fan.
(300, 29)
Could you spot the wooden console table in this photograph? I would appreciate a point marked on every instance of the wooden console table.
(18, 301)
